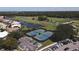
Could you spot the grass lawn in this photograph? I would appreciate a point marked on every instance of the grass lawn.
(60, 20)
(46, 43)
(76, 22)
(49, 27)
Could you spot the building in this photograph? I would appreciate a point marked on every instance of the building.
(28, 44)
(3, 26)
(15, 24)
(1, 18)
(3, 34)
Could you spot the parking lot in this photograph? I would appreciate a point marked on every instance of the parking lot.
(65, 45)
(69, 47)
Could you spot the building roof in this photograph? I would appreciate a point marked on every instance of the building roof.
(2, 25)
(1, 17)
(3, 34)
(16, 23)
(27, 43)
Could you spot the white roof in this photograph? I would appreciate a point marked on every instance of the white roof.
(1, 17)
(16, 22)
(3, 34)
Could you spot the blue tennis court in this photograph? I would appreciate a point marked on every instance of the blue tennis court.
(44, 36)
(40, 34)
(36, 32)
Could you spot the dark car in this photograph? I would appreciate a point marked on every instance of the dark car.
(66, 49)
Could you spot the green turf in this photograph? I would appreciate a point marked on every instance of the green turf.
(60, 20)
(48, 42)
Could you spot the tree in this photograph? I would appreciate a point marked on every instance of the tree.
(16, 34)
(10, 43)
(1, 43)
(42, 18)
(65, 31)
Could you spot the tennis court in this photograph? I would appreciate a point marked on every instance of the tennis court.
(36, 32)
(40, 34)
(44, 36)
